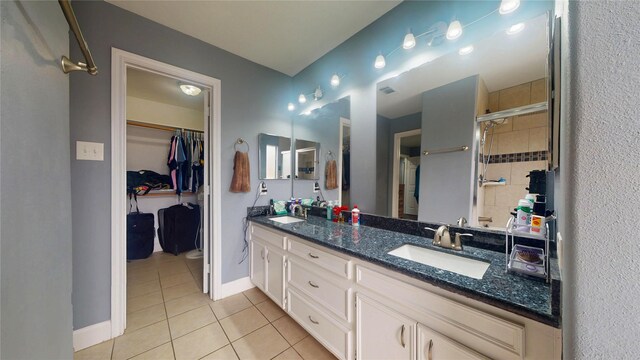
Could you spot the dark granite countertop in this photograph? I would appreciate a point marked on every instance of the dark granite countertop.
(527, 296)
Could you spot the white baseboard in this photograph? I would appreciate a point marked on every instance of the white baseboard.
(235, 287)
(91, 335)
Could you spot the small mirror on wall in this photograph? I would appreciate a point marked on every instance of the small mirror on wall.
(307, 160)
(275, 157)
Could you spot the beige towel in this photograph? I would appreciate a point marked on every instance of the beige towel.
(331, 175)
(240, 181)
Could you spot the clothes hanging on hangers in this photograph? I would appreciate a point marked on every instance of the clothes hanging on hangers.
(186, 161)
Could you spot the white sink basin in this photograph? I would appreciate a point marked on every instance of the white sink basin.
(286, 219)
(457, 264)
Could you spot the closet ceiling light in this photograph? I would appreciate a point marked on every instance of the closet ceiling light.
(509, 6)
(455, 30)
(409, 41)
(190, 89)
(380, 62)
(335, 80)
(302, 99)
(291, 107)
(515, 29)
(466, 50)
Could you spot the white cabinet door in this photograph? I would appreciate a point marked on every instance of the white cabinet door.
(435, 346)
(275, 276)
(258, 253)
(383, 333)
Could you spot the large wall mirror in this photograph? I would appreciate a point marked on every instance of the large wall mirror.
(323, 135)
(449, 143)
(274, 157)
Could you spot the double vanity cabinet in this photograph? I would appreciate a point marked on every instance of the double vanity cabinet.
(360, 310)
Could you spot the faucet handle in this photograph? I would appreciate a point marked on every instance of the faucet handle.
(428, 228)
(457, 243)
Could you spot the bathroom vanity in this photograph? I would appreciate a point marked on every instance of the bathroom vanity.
(341, 284)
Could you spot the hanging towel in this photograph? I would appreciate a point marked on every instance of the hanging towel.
(331, 175)
(240, 181)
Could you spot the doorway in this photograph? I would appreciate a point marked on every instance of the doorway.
(203, 125)
(406, 170)
(344, 162)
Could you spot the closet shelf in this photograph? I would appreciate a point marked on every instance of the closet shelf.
(165, 193)
(158, 127)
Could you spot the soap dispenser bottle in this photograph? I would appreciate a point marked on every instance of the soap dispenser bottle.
(355, 216)
(329, 210)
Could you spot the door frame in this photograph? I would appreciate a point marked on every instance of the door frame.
(395, 187)
(120, 61)
(344, 122)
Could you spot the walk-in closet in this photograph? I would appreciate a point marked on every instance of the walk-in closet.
(167, 177)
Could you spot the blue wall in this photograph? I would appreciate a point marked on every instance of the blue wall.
(35, 250)
(254, 100)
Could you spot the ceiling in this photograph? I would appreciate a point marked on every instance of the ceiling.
(151, 86)
(501, 61)
(286, 36)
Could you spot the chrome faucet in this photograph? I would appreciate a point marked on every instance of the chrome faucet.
(302, 212)
(462, 222)
(442, 238)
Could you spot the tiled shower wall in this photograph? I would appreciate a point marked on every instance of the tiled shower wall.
(526, 140)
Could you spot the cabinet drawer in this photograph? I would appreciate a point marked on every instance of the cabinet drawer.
(268, 236)
(327, 331)
(335, 264)
(494, 336)
(332, 292)
(434, 346)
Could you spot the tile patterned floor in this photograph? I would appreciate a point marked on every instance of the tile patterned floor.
(168, 317)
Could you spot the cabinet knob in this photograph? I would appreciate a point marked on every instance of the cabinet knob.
(313, 256)
(402, 336)
(313, 285)
(313, 321)
(429, 352)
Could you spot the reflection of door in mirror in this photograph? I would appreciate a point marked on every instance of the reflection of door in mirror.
(344, 162)
(406, 159)
(410, 199)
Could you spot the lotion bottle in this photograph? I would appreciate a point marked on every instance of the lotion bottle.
(355, 216)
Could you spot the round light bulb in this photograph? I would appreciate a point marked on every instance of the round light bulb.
(190, 89)
(335, 80)
(302, 99)
(291, 107)
(514, 29)
(508, 6)
(380, 62)
(455, 30)
(466, 50)
(409, 41)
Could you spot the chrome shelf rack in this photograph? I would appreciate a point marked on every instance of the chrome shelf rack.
(518, 265)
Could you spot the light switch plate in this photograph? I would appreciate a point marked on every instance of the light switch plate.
(89, 151)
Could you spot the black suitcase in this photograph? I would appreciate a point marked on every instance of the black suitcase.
(140, 234)
(179, 228)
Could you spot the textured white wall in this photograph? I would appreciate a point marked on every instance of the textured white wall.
(602, 286)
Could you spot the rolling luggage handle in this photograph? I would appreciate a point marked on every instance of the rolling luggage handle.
(135, 198)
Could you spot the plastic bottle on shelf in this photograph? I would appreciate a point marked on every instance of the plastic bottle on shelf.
(355, 216)
(329, 210)
(523, 215)
(531, 198)
(538, 219)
